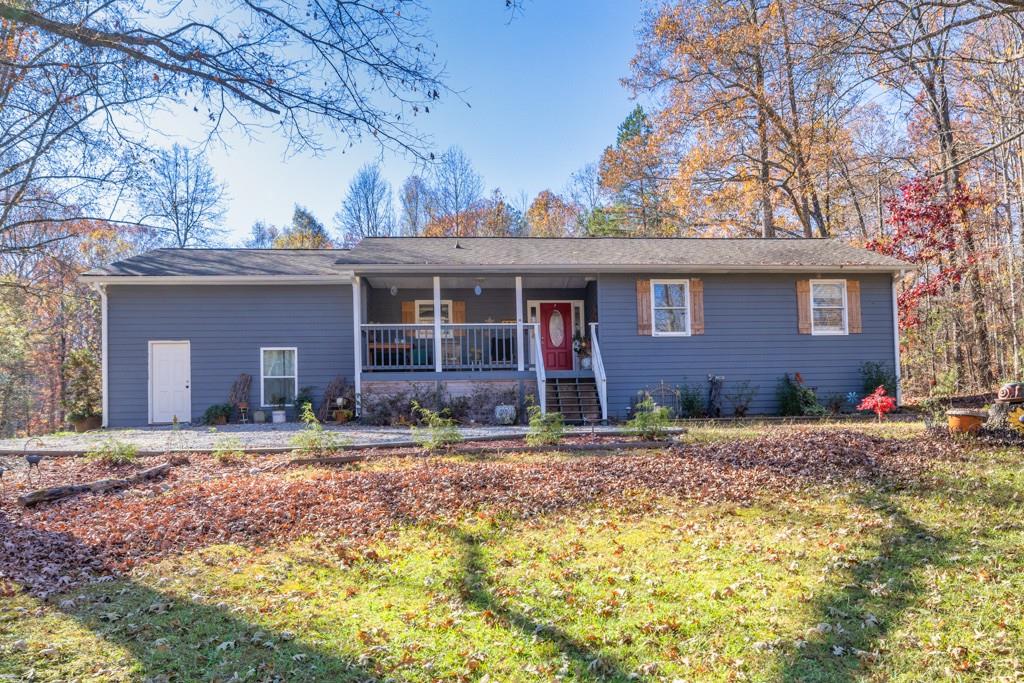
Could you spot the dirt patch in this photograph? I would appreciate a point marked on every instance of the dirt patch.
(54, 546)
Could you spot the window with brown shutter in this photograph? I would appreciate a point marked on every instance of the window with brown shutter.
(853, 306)
(803, 306)
(408, 312)
(643, 308)
(696, 306)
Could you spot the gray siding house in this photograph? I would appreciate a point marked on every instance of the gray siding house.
(180, 325)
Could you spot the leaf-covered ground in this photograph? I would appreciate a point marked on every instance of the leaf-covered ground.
(795, 554)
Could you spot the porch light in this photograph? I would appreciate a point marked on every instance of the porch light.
(478, 290)
(393, 290)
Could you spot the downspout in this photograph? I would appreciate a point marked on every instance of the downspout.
(357, 344)
(896, 338)
(104, 365)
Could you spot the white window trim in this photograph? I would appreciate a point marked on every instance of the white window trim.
(846, 310)
(689, 306)
(444, 302)
(263, 377)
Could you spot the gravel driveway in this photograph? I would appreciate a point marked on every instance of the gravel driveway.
(164, 438)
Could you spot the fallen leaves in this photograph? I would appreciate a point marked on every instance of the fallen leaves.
(55, 546)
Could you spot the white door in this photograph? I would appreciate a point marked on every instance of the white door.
(170, 381)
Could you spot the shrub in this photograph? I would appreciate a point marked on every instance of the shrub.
(314, 439)
(546, 429)
(947, 383)
(228, 450)
(439, 430)
(217, 410)
(742, 397)
(834, 403)
(82, 385)
(650, 421)
(113, 452)
(878, 402)
(691, 401)
(876, 374)
(796, 398)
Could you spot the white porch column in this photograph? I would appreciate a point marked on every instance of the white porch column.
(437, 323)
(519, 323)
(357, 340)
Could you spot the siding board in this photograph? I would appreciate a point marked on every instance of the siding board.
(751, 333)
(226, 326)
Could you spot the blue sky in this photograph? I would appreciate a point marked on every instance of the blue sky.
(545, 96)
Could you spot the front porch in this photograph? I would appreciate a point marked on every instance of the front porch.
(500, 328)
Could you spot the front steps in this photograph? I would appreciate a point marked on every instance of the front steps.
(575, 398)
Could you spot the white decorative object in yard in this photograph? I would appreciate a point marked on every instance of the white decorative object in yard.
(279, 416)
(505, 414)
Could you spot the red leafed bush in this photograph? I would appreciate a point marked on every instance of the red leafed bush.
(878, 402)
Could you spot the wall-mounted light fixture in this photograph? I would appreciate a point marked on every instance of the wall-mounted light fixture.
(393, 290)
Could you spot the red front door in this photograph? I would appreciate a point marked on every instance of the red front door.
(556, 335)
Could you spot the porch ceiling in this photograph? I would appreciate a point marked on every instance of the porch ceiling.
(378, 281)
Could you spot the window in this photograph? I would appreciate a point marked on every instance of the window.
(279, 375)
(670, 308)
(425, 311)
(828, 307)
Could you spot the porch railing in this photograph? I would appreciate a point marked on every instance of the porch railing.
(470, 347)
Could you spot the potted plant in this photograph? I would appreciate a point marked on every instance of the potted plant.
(581, 345)
(278, 415)
(217, 414)
(82, 396)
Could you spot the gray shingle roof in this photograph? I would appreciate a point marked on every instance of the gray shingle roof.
(617, 252)
(505, 253)
(226, 262)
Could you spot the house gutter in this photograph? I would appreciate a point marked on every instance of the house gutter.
(636, 268)
(341, 278)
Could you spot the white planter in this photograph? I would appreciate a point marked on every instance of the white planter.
(279, 416)
(505, 414)
(586, 362)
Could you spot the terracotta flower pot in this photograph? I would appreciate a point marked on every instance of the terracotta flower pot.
(963, 421)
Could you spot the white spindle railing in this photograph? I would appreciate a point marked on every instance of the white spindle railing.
(599, 373)
(398, 347)
(472, 347)
(538, 364)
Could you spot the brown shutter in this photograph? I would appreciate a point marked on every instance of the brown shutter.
(853, 323)
(697, 306)
(408, 312)
(803, 306)
(459, 315)
(643, 308)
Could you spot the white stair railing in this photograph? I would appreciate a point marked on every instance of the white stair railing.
(599, 373)
(538, 363)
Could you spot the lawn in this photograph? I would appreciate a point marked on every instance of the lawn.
(765, 554)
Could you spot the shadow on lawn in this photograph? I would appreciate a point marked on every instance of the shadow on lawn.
(170, 637)
(476, 590)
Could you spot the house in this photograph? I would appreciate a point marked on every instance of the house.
(179, 325)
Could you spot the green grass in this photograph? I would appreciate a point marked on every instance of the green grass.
(859, 583)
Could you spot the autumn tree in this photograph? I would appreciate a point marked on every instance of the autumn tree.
(182, 199)
(633, 172)
(456, 191)
(305, 232)
(368, 208)
(550, 215)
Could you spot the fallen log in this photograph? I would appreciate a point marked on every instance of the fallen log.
(101, 486)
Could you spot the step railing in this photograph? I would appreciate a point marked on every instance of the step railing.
(600, 376)
(538, 365)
